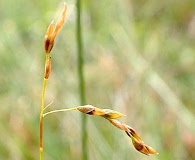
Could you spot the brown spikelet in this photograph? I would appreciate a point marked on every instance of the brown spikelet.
(136, 140)
(87, 109)
(49, 40)
(143, 148)
(91, 110)
(132, 133)
(111, 116)
(60, 21)
(106, 113)
(53, 30)
(47, 68)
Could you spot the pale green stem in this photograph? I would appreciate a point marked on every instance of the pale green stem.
(81, 81)
(59, 110)
(41, 114)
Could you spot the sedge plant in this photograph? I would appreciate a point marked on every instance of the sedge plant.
(110, 115)
(51, 33)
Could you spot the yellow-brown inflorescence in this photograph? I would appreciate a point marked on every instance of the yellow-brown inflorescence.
(53, 30)
(106, 113)
(111, 116)
(50, 35)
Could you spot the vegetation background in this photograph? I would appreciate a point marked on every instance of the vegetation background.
(139, 60)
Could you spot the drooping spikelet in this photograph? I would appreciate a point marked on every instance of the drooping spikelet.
(111, 116)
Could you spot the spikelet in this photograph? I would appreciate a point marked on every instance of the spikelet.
(106, 113)
(49, 39)
(53, 30)
(142, 147)
(47, 68)
(111, 116)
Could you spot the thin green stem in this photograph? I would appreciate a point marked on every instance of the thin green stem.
(59, 110)
(81, 81)
(41, 115)
(43, 94)
(41, 137)
(41, 118)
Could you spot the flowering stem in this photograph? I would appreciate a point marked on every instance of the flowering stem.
(41, 137)
(41, 113)
(50, 35)
(81, 81)
(59, 110)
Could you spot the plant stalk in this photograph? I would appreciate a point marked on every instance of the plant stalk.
(41, 114)
(81, 80)
(59, 110)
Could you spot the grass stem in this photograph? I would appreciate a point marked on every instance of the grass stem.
(81, 81)
(41, 115)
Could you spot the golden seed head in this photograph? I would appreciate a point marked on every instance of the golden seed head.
(132, 133)
(53, 30)
(87, 109)
(106, 113)
(143, 148)
(110, 114)
(60, 21)
(49, 39)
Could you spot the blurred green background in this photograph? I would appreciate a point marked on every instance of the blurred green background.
(139, 60)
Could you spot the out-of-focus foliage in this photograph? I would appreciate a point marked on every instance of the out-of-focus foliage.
(139, 60)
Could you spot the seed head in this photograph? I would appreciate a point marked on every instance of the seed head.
(87, 109)
(132, 133)
(106, 113)
(53, 30)
(143, 148)
(110, 114)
